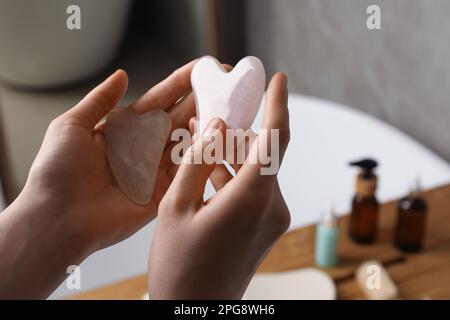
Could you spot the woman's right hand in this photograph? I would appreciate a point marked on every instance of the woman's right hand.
(211, 250)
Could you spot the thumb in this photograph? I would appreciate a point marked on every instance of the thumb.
(197, 165)
(99, 102)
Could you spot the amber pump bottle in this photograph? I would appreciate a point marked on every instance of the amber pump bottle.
(364, 214)
(411, 221)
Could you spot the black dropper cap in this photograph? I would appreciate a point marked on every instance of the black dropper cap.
(367, 165)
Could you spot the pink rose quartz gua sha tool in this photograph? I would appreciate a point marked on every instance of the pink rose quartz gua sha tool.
(134, 146)
(234, 96)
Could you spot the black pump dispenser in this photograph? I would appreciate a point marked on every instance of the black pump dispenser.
(364, 215)
(367, 165)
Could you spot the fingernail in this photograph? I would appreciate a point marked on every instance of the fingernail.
(118, 71)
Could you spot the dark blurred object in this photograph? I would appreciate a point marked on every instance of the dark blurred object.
(366, 164)
(5, 178)
(230, 30)
(193, 28)
(364, 214)
(411, 221)
(2, 196)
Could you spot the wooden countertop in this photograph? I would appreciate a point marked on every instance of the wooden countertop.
(419, 276)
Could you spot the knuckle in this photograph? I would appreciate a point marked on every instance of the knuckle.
(62, 121)
(170, 203)
(283, 221)
(57, 122)
(152, 99)
(280, 219)
(164, 205)
(277, 218)
(101, 98)
(178, 77)
(175, 75)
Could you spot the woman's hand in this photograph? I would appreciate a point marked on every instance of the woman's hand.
(72, 171)
(71, 204)
(211, 250)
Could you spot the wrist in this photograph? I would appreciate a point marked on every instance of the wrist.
(37, 247)
(49, 215)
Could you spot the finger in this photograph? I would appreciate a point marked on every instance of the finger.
(182, 111)
(189, 183)
(246, 144)
(227, 67)
(97, 103)
(192, 124)
(99, 139)
(167, 92)
(276, 117)
(174, 168)
(100, 126)
(171, 166)
(220, 177)
(276, 113)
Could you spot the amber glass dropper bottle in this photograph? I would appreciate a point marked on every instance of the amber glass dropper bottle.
(411, 221)
(364, 215)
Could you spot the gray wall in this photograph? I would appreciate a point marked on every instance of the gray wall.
(400, 74)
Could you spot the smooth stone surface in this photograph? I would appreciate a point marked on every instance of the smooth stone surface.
(302, 284)
(233, 96)
(135, 144)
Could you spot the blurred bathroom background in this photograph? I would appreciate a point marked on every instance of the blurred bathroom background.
(398, 76)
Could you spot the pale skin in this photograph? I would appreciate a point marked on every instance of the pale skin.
(71, 205)
(211, 250)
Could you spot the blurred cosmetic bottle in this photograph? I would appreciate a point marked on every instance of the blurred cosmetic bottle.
(411, 221)
(364, 214)
(327, 240)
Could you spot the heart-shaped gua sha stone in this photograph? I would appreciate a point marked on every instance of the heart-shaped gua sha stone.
(135, 144)
(235, 97)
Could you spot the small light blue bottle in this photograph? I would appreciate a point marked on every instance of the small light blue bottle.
(327, 240)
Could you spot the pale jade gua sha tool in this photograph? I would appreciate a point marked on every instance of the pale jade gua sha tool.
(134, 146)
(235, 97)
